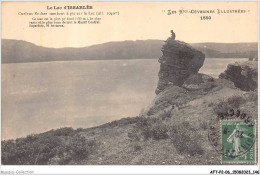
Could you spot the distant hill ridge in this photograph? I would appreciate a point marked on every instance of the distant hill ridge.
(18, 51)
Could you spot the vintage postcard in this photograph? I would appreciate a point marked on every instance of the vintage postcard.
(129, 83)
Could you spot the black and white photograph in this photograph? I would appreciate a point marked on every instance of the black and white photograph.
(129, 83)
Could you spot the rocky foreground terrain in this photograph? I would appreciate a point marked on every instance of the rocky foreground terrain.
(172, 130)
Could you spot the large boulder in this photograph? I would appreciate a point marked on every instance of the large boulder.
(199, 82)
(178, 62)
(243, 75)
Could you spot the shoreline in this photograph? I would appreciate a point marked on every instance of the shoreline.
(101, 60)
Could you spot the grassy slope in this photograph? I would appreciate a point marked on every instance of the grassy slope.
(113, 145)
(117, 148)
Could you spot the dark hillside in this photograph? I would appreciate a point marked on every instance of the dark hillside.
(17, 51)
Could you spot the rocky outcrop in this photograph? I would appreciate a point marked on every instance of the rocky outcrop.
(198, 82)
(178, 62)
(195, 87)
(243, 75)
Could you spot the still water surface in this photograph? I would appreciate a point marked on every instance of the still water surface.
(37, 97)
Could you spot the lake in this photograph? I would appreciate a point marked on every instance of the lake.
(37, 97)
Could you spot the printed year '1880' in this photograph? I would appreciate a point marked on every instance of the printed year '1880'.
(205, 18)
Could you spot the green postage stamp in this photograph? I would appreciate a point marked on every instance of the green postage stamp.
(238, 141)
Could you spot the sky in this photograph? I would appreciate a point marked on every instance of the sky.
(136, 21)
